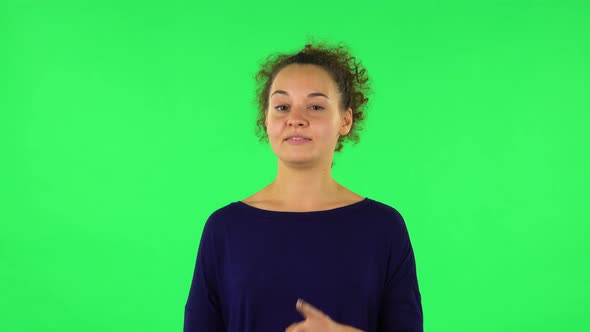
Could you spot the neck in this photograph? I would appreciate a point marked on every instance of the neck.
(303, 187)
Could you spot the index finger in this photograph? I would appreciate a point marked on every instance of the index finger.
(308, 308)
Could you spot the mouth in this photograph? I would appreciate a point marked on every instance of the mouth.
(297, 137)
(298, 140)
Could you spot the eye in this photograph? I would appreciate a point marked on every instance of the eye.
(320, 107)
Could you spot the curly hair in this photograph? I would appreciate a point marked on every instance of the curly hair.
(348, 73)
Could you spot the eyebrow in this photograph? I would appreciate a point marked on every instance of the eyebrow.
(313, 94)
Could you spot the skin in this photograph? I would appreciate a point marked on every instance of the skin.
(316, 321)
(304, 181)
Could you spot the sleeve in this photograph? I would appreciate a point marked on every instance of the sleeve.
(401, 306)
(202, 310)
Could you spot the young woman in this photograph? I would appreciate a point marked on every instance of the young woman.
(304, 236)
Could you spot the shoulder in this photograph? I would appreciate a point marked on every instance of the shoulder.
(385, 216)
(384, 210)
(220, 217)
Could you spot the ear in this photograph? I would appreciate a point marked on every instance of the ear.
(346, 122)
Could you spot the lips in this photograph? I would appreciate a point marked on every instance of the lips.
(297, 140)
(298, 137)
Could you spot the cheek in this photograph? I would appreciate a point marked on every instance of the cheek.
(327, 129)
(273, 128)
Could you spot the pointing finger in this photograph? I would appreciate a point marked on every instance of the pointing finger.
(308, 310)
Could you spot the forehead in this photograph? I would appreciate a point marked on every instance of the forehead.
(304, 77)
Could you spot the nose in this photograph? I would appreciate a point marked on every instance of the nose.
(296, 118)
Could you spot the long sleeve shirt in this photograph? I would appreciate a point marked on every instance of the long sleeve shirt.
(354, 263)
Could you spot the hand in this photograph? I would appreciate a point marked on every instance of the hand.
(316, 321)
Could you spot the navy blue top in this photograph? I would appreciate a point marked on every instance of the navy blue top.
(355, 263)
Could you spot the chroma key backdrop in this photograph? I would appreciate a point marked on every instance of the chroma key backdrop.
(125, 124)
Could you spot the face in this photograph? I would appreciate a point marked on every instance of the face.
(304, 100)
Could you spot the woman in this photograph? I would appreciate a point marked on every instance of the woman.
(305, 236)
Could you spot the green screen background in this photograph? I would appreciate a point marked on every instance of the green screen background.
(126, 124)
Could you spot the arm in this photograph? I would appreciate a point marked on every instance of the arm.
(202, 309)
(401, 307)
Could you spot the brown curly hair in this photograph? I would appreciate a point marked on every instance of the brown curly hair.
(349, 74)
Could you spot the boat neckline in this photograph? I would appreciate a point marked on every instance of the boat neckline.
(339, 209)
